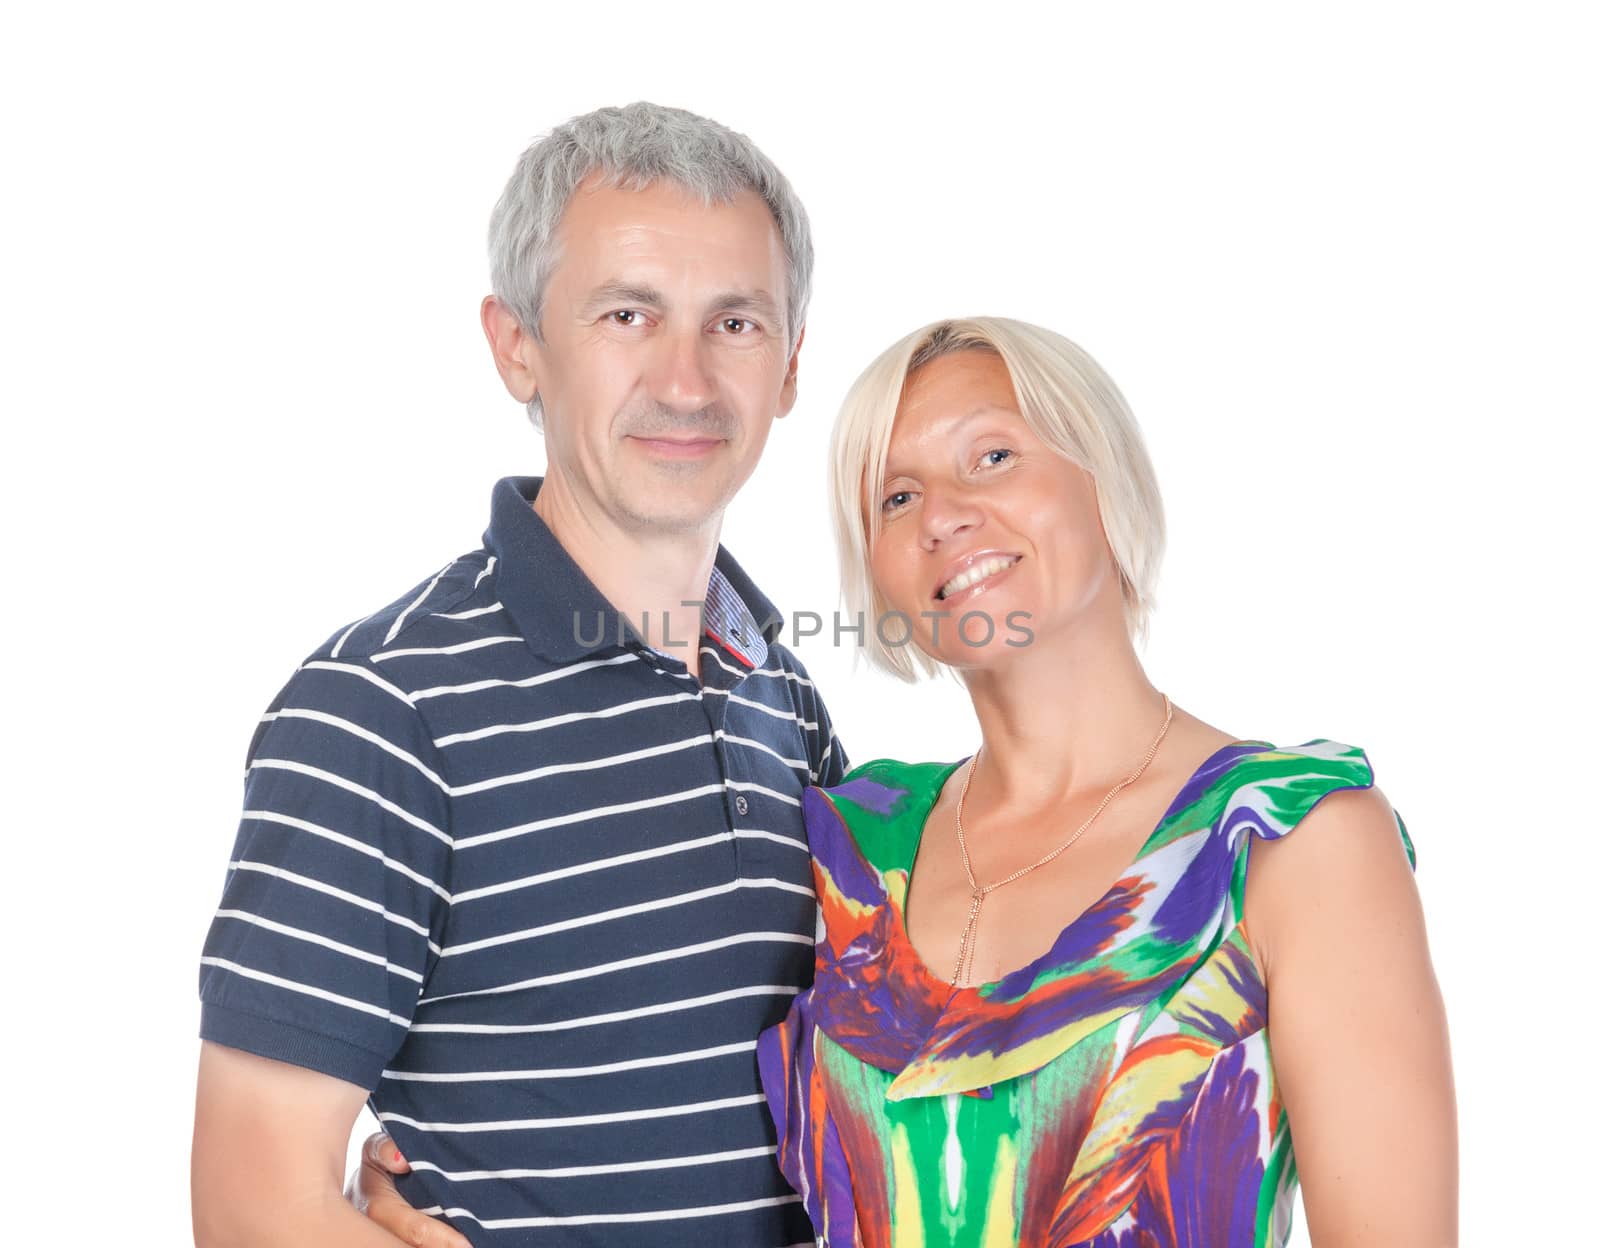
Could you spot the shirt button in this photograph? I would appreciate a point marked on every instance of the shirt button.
(742, 806)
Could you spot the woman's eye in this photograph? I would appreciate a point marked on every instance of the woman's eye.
(997, 456)
(898, 499)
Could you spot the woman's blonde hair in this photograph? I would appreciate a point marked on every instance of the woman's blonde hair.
(1068, 402)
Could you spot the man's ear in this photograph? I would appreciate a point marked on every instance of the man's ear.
(512, 348)
(791, 389)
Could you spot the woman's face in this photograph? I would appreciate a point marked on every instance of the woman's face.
(987, 535)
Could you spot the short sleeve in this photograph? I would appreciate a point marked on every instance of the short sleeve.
(827, 758)
(1278, 788)
(337, 889)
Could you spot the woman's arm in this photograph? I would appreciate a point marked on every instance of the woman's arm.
(1356, 1026)
(371, 1190)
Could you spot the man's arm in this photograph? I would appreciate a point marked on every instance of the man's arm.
(334, 901)
(269, 1146)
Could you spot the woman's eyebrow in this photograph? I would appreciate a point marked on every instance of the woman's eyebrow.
(892, 469)
(983, 409)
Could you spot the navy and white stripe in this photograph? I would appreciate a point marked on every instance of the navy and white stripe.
(539, 893)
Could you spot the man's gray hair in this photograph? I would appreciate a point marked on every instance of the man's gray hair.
(631, 148)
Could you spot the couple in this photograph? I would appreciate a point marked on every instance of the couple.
(524, 855)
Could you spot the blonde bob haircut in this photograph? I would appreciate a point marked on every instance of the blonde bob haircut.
(1068, 402)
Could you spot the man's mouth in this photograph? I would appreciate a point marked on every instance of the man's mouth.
(982, 570)
(678, 448)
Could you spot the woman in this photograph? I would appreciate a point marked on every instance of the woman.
(1041, 999)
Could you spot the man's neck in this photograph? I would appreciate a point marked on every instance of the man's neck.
(648, 577)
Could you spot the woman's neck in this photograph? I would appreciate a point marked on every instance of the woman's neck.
(1072, 712)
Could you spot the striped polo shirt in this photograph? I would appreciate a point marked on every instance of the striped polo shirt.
(538, 890)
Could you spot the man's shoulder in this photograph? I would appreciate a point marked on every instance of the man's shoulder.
(827, 760)
(453, 606)
(782, 662)
(781, 657)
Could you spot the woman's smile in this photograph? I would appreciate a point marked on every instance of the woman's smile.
(972, 575)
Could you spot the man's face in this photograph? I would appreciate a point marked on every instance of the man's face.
(663, 361)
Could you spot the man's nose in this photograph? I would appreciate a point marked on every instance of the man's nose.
(948, 513)
(680, 377)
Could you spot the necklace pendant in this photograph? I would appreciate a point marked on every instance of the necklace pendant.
(965, 950)
(964, 956)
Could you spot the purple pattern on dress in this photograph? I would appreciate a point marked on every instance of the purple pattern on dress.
(1162, 1122)
(828, 1193)
(869, 795)
(1237, 969)
(838, 1193)
(868, 999)
(1146, 1217)
(1191, 906)
(1244, 818)
(833, 849)
(1085, 995)
(1213, 767)
(1214, 1169)
(1082, 940)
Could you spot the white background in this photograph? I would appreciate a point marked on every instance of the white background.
(1343, 263)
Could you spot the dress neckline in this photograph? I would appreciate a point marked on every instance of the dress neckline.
(1174, 908)
(1030, 972)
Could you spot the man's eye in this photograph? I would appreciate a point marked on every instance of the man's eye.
(736, 325)
(896, 500)
(625, 316)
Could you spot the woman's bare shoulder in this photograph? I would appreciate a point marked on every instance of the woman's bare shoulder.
(1343, 872)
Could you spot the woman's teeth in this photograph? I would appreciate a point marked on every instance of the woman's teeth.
(975, 573)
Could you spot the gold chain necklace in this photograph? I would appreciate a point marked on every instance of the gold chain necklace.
(964, 954)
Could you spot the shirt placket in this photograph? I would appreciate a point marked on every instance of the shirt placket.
(737, 809)
(736, 804)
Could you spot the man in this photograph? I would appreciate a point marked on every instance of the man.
(521, 858)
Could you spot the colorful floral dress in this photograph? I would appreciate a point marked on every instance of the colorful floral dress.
(1116, 1093)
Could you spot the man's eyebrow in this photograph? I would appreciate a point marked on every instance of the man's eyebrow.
(758, 302)
(624, 293)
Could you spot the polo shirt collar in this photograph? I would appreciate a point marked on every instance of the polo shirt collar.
(564, 617)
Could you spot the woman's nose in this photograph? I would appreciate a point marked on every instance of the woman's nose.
(947, 514)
